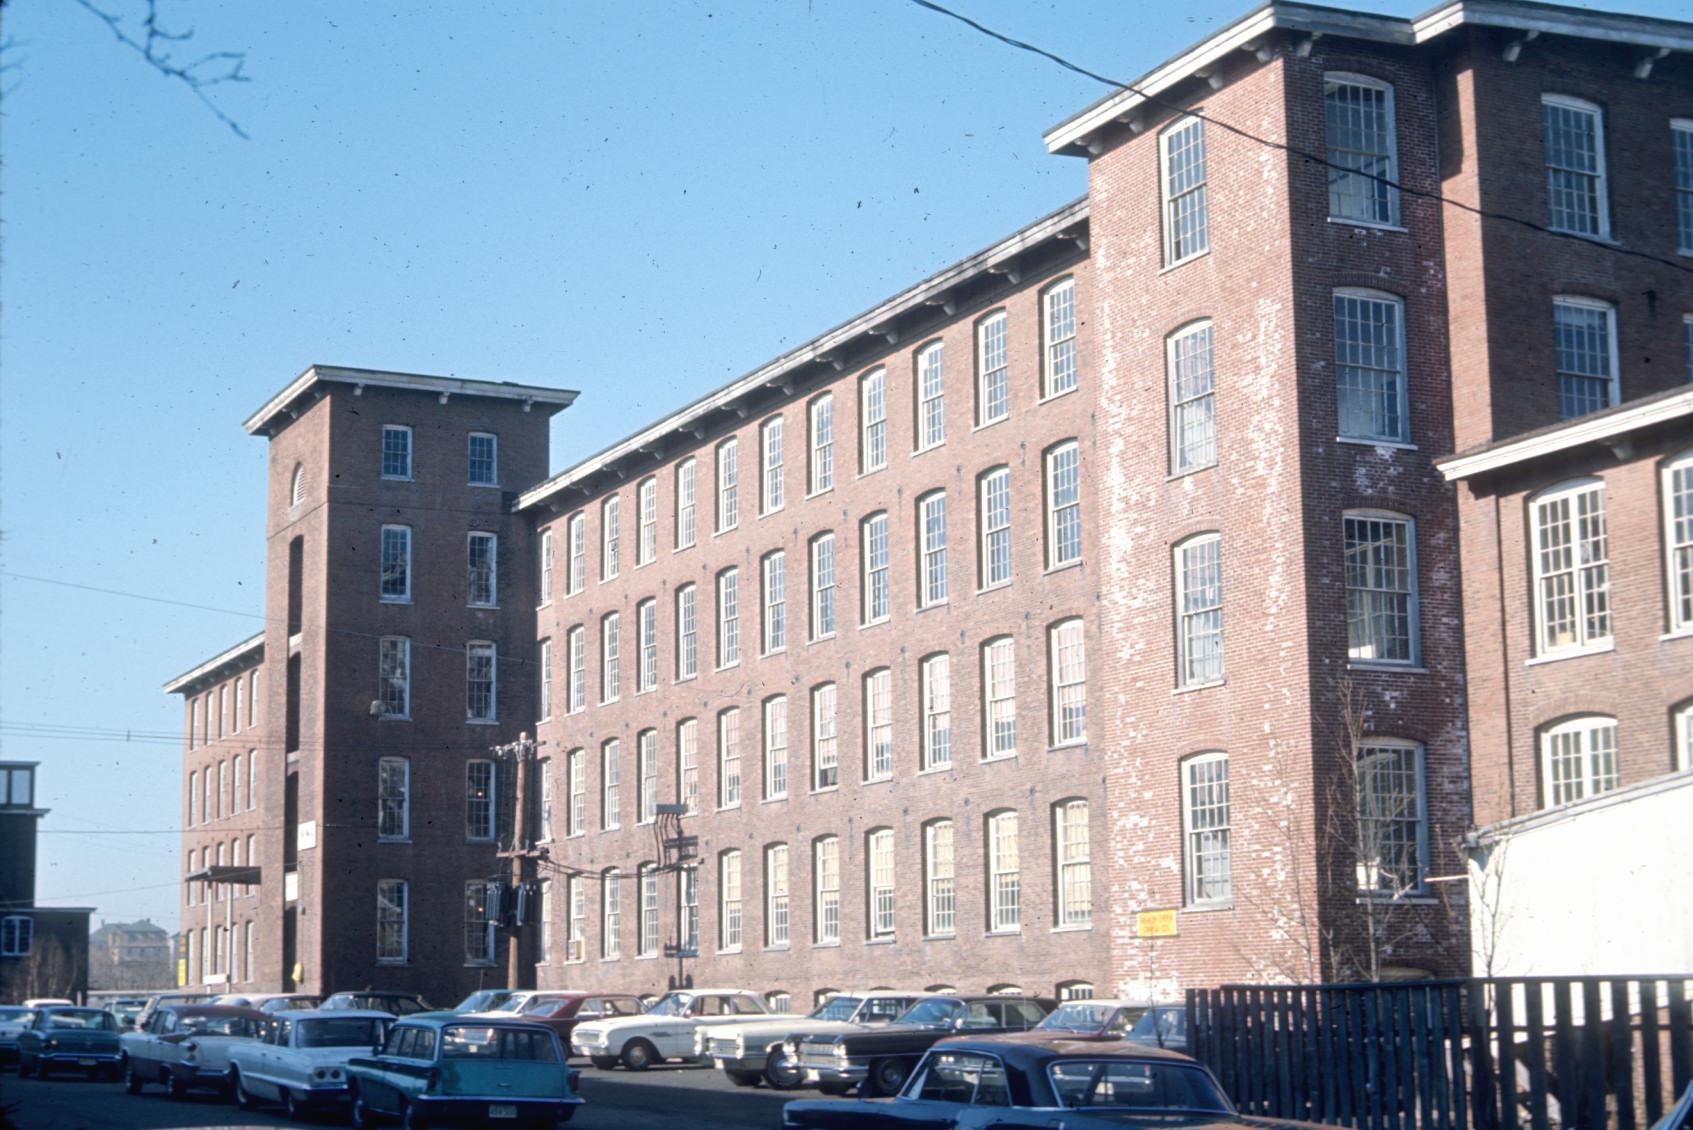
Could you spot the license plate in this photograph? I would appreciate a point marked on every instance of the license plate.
(502, 1110)
(86, 1062)
(812, 1075)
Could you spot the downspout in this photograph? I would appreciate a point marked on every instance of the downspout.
(1505, 647)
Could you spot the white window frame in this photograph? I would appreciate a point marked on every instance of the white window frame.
(576, 570)
(878, 725)
(773, 570)
(1072, 862)
(1005, 874)
(820, 416)
(822, 555)
(873, 421)
(1681, 156)
(935, 695)
(576, 926)
(611, 914)
(387, 803)
(773, 483)
(481, 813)
(826, 890)
(474, 576)
(731, 924)
(1593, 778)
(1354, 378)
(999, 698)
(397, 430)
(728, 618)
(576, 812)
(825, 744)
(1356, 161)
(931, 555)
(611, 784)
(777, 897)
(646, 516)
(393, 916)
(880, 887)
(1067, 669)
(646, 941)
(611, 659)
(993, 495)
(611, 520)
(546, 555)
(646, 628)
(493, 479)
(940, 879)
(928, 365)
(876, 601)
(1063, 511)
(1192, 622)
(1176, 252)
(402, 595)
(688, 764)
(1612, 376)
(776, 748)
(1601, 178)
(1213, 841)
(1060, 353)
(993, 368)
(544, 660)
(687, 504)
(687, 632)
(576, 655)
(646, 777)
(729, 758)
(1681, 737)
(387, 680)
(1589, 578)
(1369, 876)
(1363, 559)
(1677, 494)
(1191, 377)
(728, 484)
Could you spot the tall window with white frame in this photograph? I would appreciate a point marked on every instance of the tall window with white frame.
(994, 492)
(611, 914)
(577, 930)
(1363, 151)
(1063, 505)
(825, 757)
(687, 632)
(1681, 144)
(775, 571)
(483, 460)
(1067, 654)
(729, 758)
(1193, 402)
(687, 516)
(728, 617)
(576, 646)
(482, 569)
(546, 566)
(1576, 194)
(776, 896)
(1392, 819)
(646, 515)
(611, 784)
(821, 472)
(544, 776)
(823, 586)
(771, 495)
(576, 570)
(611, 676)
(1369, 363)
(931, 560)
(611, 520)
(940, 894)
(1572, 580)
(689, 911)
(993, 370)
(729, 901)
(1381, 587)
(479, 800)
(776, 748)
(873, 542)
(1677, 494)
(394, 677)
(999, 698)
(1059, 371)
(392, 906)
(646, 624)
(481, 703)
(1585, 333)
(931, 395)
(576, 772)
(728, 484)
(396, 564)
(393, 805)
(1182, 165)
(878, 725)
(647, 877)
(688, 764)
(879, 879)
(826, 901)
(1205, 823)
(1578, 759)
(1005, 903)
(1071, 846)
(646, 777)
(1199, 611)
(873, 421)
(1681, 727)
(544, 661)
(935, 673)
(396, 451)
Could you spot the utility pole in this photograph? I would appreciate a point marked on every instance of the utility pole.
(520, 755)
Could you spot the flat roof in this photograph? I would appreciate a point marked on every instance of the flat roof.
(251, 647)
(1600, 427)
(554, 399)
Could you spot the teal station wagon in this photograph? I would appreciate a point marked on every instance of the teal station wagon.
(441, 1068)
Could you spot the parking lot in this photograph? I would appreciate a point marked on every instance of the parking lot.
(617, 1100)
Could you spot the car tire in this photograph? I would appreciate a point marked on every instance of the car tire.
(834, 1090)
(243, 1097)
(292, 1106)
(412, 1119)
(782, 1073)
(603, 1062)
(744, 1078)
(638, 1055)
(175, 1087)
(363, 1117)
(886, 1077)
(41, 1070)
(131, 1081)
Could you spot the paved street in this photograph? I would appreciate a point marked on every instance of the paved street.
(618, 1100)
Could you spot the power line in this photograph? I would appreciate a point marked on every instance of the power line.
(1292, 150)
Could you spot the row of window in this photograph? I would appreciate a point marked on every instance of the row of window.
(481, 585)
(481, 679)
(1577, 181)
(393, 799)
(224, 854)
(223, 793)
(220, 711)
(229, 952)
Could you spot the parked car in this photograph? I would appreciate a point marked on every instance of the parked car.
(84, 1039)
(878, 1061)
(475, 1071)
(1162, 1026)
(562, 1012)
(179, 996)
(666, 1031)
(372, 1000)
(301, 1060)
(186, 1047)
(1038, 1083)
(269, 1002)
(1101, 1019)
(48, 1002)
(14, 1018)
(757, 1051)
(126, 1010)
(482, 1000)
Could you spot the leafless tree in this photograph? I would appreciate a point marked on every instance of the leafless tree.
(158, 46)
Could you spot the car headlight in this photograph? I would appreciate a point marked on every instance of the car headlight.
(840, 1053)
(790, 1050)
(699, 1041)
(52, 1043)
(740, 1044)
(320, 1073)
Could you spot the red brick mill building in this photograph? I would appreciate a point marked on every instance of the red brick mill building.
(1091, 617)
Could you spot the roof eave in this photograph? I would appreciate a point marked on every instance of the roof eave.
(555, 398)
(1578, 433)
(225, 658)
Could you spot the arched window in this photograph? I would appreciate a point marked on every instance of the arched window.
(297, 485)
(1572, 581)
(1075, 991)
(1578, 759)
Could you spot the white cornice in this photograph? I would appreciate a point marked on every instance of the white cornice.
(1594, 429)
(248, 650)
(443, 387)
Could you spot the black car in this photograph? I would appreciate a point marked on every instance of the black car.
(877, 1061)
(1038, 1084)
(374, 1000)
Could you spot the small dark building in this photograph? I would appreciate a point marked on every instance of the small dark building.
(43, 950)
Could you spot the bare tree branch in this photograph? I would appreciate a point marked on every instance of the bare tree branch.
(209, 70)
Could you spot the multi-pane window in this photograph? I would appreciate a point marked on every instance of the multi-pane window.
(393, 798)
(395, 676)
(936, 676)
(1575, 166)
(611, 914)
(1585, 331)
(611, 784)
(576, 816)
(776, 748)
(483, 460)
(994, 487)
(1578, 759)
(1678, 539)
(544, 660)
(482, 565)
(940, 895)
(1063, 505)
(999, 698)
(729, 905)
(391, 908)
(235, 789)
(687, 517)
(689, 881)
(770, 446)
(931, 395)
(1058, 335)
(479, 800)
(826, 875)
(1205, 822)
(546, 566)
(648, 879)
(297, 486)
(576, 648)
(646, 776)
(1182, 153)
(1004, 876)
(687, 632)
(776, 895)
(1193, 402)
(1362, 152)
(873, 539)
(1199, 611)
(728, 484)
(1073, 858)
(236, 701)
(822, 586)
(480, 703)
(775, 601)
(878, 725)
(931, 528)
(544, 774)
(1369, 362)
(825, 758)
(1681, 138)
(646, 623)
(576, 572)
(1392, 831)
(396, 451)
(576, 928)
(396, 563)
(688, 764)
(611, 518)
(611, 675)
(194, 795)
(993, 369)
(879, 876)
(728, 617)
(1067, 652)
(1681, 723)
(1381, 588)
(252, 777)
(873, 421)
(822, 419)
(646, 513)
(1572, 581)
(729, 758)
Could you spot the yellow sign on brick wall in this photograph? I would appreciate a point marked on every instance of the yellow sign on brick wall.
(1156, 923)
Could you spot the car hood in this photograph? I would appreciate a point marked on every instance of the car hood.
(647, 1020)
(10, 1031)
(800, 1029)
(75, 1040)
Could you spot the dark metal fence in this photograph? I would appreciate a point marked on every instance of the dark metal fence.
(1535, 1053)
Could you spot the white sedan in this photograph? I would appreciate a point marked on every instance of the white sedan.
(301, 1061)
(667, 1030)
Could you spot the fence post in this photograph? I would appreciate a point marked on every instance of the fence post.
(1484, 1116)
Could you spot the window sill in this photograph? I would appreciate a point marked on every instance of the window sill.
(1061, 747)
(1190, 472)
(768, 652)
(1192, 688)
(484, 486)
(920, 609)
(684, 547)
(1390, 444)
(763, 514)
(1051, 569)
(884, 940)
(781, 947)
(639, 565)
(544, 605)
(925, 450)
(721, 667)
(1572, 653)
(877, 781)
(1014, 932)
(736, 807)
(1180, 263)
(483, 607)
(646, 957)
(393, 718)
(481, 721)
(729, 949)
(391, 962)
(775, 799)
(394, 600)
(1206, 907)
(1369, 225)
(953, 937)
(825, 789)
(397, 479)
(984, 426)
(1081, 928)
(1385, 667)
(995, 587)
(1603, 239)
(480, 964)
(834, 945)
(1051, 396)
(872, 471)
(934, 770)
(819, 493)
(613, 957)
(873, 623)
(645, 690)
(393, 839)
(820, 639)
(1418, 899)
(1679, 634)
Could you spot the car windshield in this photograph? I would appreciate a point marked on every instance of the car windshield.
(12, 1014)
(513, 1003)
(81, 1019)
(483, 999)
(540, 1004)
(1134, 1085)
(1087, 1016)
(1161, 1026)
(671, 1004)
(836, 1008)
(932, 1013)
(341, 1032)
(488, 1042)
(217, 1025)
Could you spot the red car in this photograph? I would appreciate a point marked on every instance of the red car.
(562, 1011)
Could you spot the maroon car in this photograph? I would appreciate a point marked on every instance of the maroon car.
(562, 1011)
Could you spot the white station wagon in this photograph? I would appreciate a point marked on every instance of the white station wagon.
(301, 1061)
(667, 1030)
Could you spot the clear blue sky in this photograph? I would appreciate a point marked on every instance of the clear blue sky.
(638, 200)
